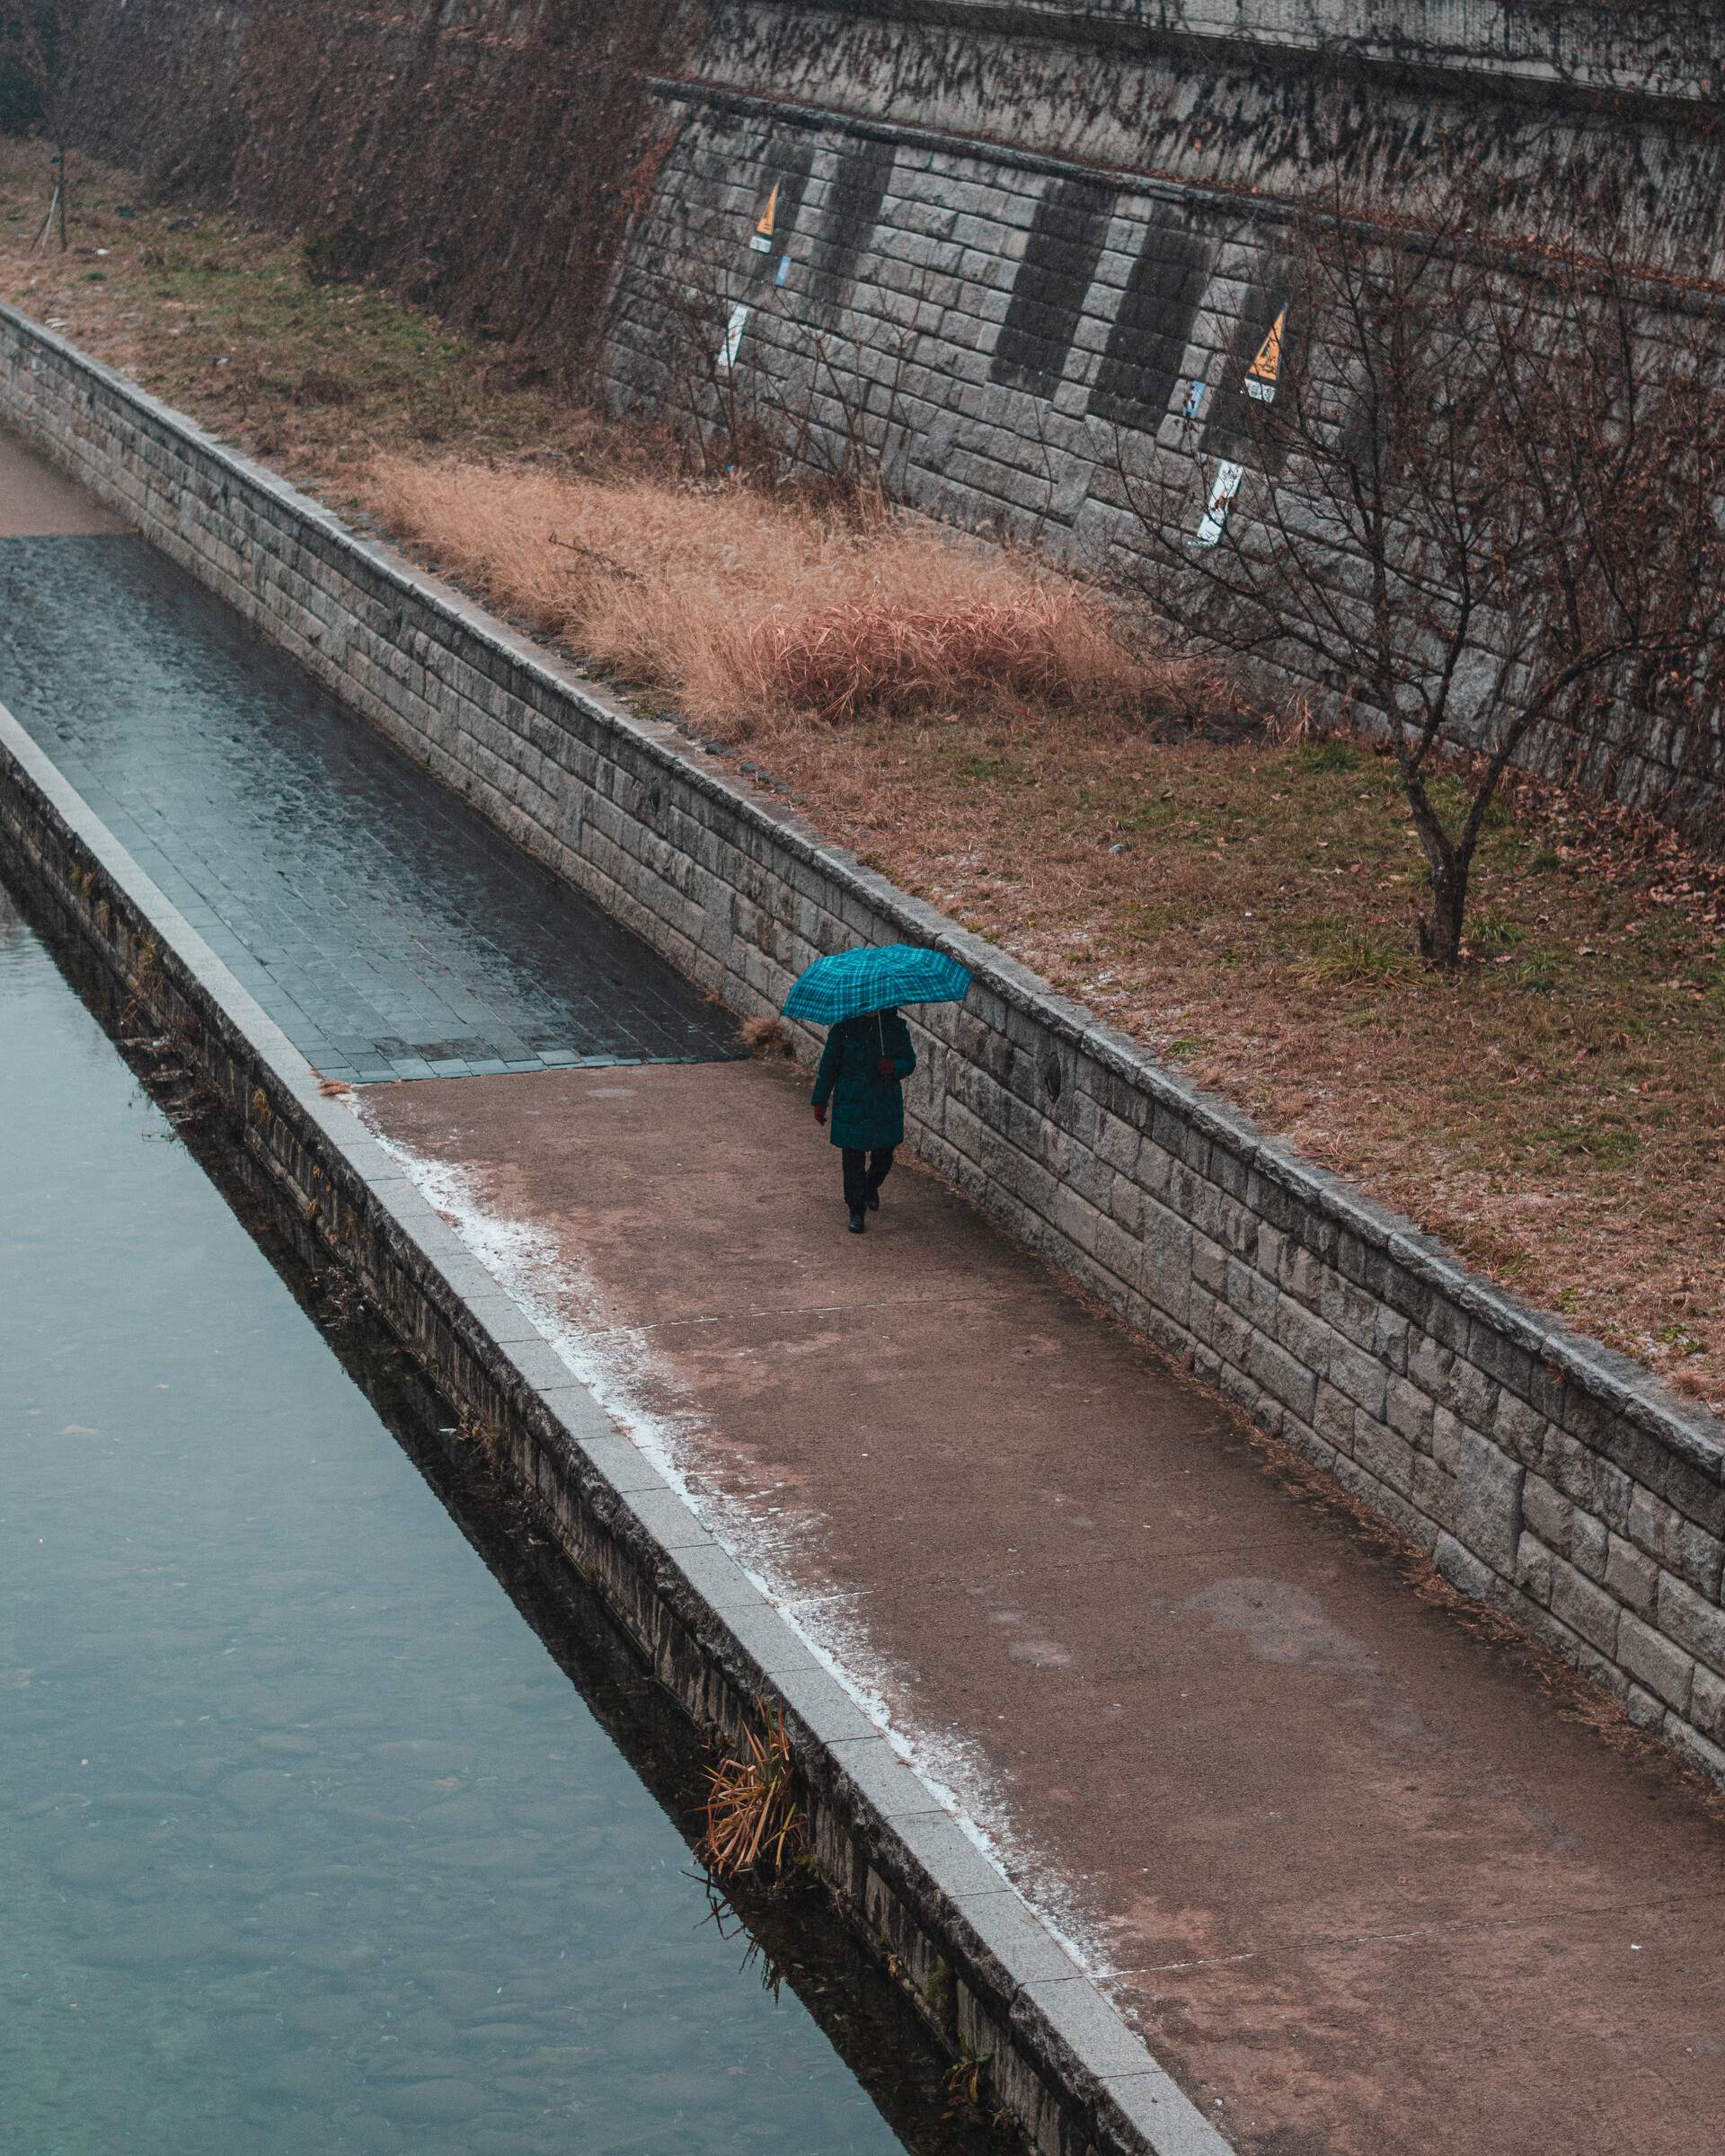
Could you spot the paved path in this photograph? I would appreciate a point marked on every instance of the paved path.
(387, 928)
(1374, 1881)
(1366, 1876)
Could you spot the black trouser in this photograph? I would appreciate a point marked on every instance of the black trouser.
(864, 1172)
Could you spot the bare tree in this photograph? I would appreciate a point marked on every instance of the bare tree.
(38, 39)
(1474, 492)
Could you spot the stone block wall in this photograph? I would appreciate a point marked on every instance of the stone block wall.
(975, 202)
(955, 311)
(1019, 249)
(1545, 1474)
(1023, 258)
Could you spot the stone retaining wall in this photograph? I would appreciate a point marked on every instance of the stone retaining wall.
(1546, 1474)
(1031, 235)
(1020, 252)
(1023, 263)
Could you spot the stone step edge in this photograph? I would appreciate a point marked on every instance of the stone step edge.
(1063, 2061)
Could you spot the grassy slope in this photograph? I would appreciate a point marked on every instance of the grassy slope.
(1557, 1111)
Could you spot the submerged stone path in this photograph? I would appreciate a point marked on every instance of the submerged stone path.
(1371, 1877)
(388, 928)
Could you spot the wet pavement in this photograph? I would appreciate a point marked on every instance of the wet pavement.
(386, 927)
(1362, 1867)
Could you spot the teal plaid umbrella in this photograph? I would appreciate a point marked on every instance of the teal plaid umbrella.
(879, 977)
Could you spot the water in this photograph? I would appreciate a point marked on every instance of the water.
(386, 927)
(309, 1842)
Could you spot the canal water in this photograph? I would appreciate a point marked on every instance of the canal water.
(381, 921)
(309, 1842)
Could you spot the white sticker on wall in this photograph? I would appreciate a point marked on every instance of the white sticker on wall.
(1223, 489)
(733, 336)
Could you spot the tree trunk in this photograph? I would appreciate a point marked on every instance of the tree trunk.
(1441, 937)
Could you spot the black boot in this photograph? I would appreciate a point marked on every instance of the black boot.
(857, 1223)
(874, 1197)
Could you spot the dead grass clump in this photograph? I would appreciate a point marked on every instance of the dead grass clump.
(747, 605)
(317, 386)
(1051, 649)
(1347, 955)
(766, 1037)
(752, 1808)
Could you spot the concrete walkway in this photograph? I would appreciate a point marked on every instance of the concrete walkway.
(1371, 1879)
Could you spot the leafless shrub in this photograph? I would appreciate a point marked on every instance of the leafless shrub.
(841, 402)
(763, 397)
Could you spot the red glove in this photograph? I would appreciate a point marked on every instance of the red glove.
(821, 1117)
(884, 1065)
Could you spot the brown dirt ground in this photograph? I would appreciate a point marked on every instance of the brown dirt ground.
(1556, 1111)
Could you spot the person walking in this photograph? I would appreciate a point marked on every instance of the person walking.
(861, 1074)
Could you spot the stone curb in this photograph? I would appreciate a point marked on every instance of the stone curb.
(1020, 1991)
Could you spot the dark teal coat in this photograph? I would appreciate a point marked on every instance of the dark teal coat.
(868, 1109)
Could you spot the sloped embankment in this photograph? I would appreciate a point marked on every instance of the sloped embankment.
(480, 159)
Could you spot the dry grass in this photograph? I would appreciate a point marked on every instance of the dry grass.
(227, 322)
(740, 602)
(749, 606)
(1556, 1111)
(751, 1807)
(765, 1037)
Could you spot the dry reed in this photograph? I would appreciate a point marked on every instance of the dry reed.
(752, 1810)
(748, 607)
(767, 1037)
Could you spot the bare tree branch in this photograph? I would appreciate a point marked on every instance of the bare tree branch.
(1485, 505)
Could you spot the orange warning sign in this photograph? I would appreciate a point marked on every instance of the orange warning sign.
(763, 237)
(1260, 376)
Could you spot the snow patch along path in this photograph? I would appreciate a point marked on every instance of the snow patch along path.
(619, 1367)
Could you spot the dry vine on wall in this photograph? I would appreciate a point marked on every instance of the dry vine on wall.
(482, 161)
